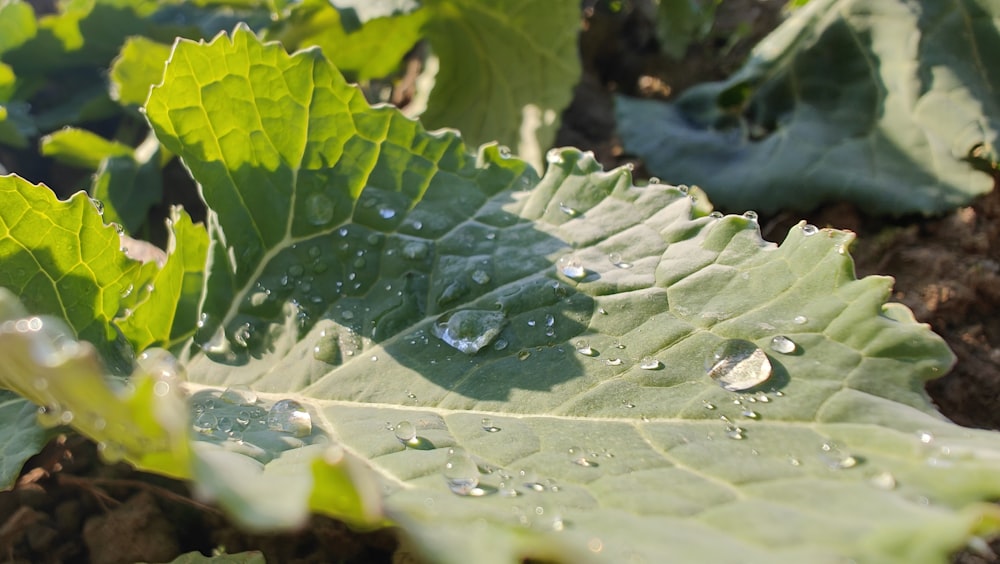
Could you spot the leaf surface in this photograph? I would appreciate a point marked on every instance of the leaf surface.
(423, 304)
(893, 107)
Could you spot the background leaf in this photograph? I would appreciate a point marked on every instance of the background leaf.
(519, 59)
(416, 299)
(61, 259)
(893, 108)
(145, 424)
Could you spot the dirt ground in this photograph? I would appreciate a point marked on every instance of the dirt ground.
(68, 507)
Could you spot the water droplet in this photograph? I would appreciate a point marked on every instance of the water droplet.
(750, 414)
(469, 330)
(738, 365)
(800, 320)
(628, 404)
(327, 349)
(239, 395)
(925, 437)
(579, 457)
(572, 212)
(583, 347)
(289, 416)
(571, 268)
(782, 344)
(461, 473)
(500, 344)
(127, 291)
(319, 209)
(715, 215)
(411, 395)
(884, 481)
(531, 323)
(480, 277)
(750, 214)
(488, 425)
(613, 361)
(809, 229)
(98, 204)
(836, 459)
(161, 388)
(707, 405)
(618, 344)
(654, 180)
(206, 422)
(162, 365)
(650, 363)
(415, 250)
(554, 156)
(406, 432)
(386, 213)
(550, 320)
(734, 432)
(523, 354)
(617, 260)
(504, 151)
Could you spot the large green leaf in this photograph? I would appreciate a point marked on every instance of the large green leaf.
(415, 299)
(891, 106)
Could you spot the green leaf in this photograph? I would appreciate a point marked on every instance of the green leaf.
(892, 108)
(130, 185)
(168, 311)
(22, 438)
(137, 68)
(82, 148)
(366, 41)
(507, 70)
(145, 423)
(682, 22)
(61, 259)
(17, 24)
(415, 298)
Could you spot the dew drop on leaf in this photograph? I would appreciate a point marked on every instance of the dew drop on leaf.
(205, 423)
(800, 320)
(469, 331)
(738, 365)
(461, 473)
(613, 361)
(571, 268)
(480, 277)
(289, 416)
(239, 395)
(750, 214)
(707, 405)
(650, 363)
(617, 260)
(583, 347)
(488, 425)
(836, 459)
(579, 457)
(162, 365)
(327, 349)
(319, 209)
(809, 229)
(782, 344)
(406, 432)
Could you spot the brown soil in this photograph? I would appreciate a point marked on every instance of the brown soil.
(68, 507)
